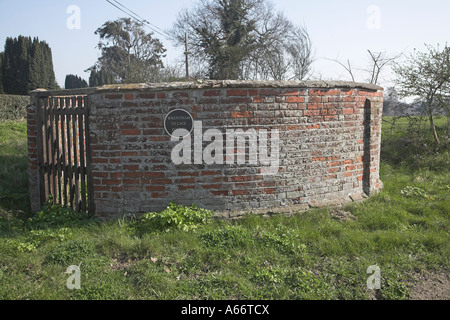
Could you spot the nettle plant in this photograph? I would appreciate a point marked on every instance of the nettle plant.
(175, 216)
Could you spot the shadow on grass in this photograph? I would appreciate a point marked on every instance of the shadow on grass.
(14, 184)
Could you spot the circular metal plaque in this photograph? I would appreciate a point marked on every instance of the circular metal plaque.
(178, 119)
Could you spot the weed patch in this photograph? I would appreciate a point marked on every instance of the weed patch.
(176, 217)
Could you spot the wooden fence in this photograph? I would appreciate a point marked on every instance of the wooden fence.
(63, 151)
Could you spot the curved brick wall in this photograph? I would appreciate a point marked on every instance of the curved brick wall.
(329, 145)
(327, 151)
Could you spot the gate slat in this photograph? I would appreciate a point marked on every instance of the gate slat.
(90, 185)
(76, 188)
(64, 151)
(58, 148)
(82, 155)
(48, 190)
(40, 145)
(69, 152)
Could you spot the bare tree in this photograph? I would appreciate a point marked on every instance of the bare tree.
(244, 39)
(347, 66)
(379, 61)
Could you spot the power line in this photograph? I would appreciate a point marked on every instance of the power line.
(142, 19)
(139, 19)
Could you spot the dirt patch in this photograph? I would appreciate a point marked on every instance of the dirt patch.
(342, 215)
(122, 262)
(430, 286)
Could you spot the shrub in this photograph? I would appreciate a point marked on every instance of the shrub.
(13, 107)
(54, 216)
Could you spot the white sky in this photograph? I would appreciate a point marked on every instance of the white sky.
(338, 29)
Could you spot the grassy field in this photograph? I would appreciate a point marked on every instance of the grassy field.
(181, 253)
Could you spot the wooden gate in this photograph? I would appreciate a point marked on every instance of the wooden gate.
(64, 156)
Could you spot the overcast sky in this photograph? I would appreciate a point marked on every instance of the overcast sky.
(339, 29)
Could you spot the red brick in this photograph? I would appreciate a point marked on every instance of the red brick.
(188, 174)
(133, 188)
(161, 181)
(237, 93)
(183, 188)
(295, 99)
(134, 132)
(160, 195)
(211, 93)
(133, 174)
(239, 192)
(113, 96)
(147, 96)
(131, 181)
(185, 181)
(240, 178)
(129, 96)
(131, 167)
(220, 193)
(99, 160)
(243, 114)
(212, 186)
(154, 174)
(130, 154)
(348, 111)
(155, 188)
(211, 173)
(111, 182)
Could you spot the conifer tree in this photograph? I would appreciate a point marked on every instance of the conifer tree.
(100, 78)
(74, 82)
(27, 64)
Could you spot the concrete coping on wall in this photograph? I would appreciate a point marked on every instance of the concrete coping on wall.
(213, 84)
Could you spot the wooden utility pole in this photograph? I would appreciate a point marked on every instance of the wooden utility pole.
(187, 55)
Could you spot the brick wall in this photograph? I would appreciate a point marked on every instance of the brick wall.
(329, 145)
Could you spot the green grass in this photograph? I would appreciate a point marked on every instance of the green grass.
(13, 166)
(183, 254)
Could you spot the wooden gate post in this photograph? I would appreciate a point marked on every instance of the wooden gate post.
(34, 145)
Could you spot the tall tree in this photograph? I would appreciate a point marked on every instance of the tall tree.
(1, 72)
(128, 52)
(244, 39)
(426, 76)
(26, 65)
(74, 82)
(100, 78)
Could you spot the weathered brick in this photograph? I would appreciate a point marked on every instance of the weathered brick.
(322, 135)
(236, 93)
